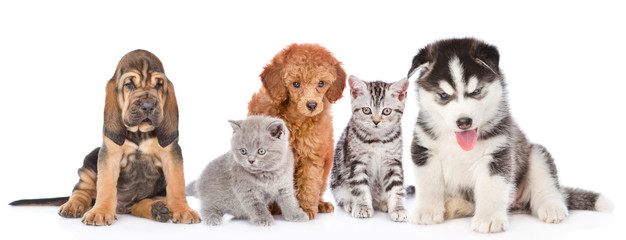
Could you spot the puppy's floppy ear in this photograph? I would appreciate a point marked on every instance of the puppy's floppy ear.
(114, 128)
(421, 59)
(272, 79)
(488, 56)
(167, 131)
(335, 91)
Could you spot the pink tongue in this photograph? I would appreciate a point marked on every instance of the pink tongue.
(467, 139)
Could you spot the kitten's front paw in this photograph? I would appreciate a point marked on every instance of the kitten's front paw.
(427, 216)
(362, 211)
(490, 224)
(347, 206)
(299, 216)
(213, 220)
(263, 222)
(552, 212)
(398, 215)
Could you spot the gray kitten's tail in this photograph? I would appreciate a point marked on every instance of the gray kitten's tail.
(190, 189)
(580, 199)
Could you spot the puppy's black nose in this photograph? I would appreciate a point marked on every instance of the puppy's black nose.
(147, 107)
(311, 106)
(464, 123)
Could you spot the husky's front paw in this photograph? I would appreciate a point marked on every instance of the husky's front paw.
(398, 215)
(362, 211)
(263, 222)
(427, 216)
(490, 224)
(552, 212)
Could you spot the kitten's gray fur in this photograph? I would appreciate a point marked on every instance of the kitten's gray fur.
(367, 169)
(243, 182)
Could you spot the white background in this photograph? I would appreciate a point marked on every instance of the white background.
(564, 63)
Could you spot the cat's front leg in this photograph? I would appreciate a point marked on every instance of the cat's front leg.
(430, 187)
(360, 191)
(393, 186)
(288, 203)
(256, 209)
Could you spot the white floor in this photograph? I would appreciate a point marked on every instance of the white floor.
(43, 222)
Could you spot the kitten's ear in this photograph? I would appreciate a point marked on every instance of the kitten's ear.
(236, 125)
(398, 89)
(357, 86)
(277, 128)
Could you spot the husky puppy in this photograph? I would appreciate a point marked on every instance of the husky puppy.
(468, 149)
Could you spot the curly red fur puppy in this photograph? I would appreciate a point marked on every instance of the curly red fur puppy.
(299, 86)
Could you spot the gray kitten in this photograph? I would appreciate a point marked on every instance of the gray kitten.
(367, 169)
(256, 171)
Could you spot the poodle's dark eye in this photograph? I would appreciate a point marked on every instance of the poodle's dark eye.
(386, 111)
(261, 151)
(444, 96)
(130, 85)
(243, 151)
(320, 84)
(367, 110)
(296, 84)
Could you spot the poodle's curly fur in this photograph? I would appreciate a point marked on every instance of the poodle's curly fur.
(299, 86)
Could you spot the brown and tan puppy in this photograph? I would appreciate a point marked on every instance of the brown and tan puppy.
(299, 86)
(139, 168)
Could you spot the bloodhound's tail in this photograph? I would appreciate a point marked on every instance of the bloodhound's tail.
(40, 202)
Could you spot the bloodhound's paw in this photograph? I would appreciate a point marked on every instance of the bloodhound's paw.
(99, 217)
(184, 214)
(73, 209)
(160, 212)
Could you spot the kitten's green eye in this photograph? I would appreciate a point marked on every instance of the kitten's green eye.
(367, 110)
(261, 151)
(386, 111)
(243, 151)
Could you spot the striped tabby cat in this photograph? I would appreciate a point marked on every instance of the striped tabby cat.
(367, 169)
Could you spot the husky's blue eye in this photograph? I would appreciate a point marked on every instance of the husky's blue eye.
(444, 96)
(476, 92)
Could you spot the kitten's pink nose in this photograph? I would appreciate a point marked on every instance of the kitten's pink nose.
(251, 161)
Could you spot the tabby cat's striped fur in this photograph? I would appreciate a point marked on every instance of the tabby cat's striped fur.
(367, 169)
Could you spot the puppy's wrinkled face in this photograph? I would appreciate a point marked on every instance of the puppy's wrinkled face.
(141, 97)
(307, 83)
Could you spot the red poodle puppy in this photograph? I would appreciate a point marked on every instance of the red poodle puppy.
(299, 86)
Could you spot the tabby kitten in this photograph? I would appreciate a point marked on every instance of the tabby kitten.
(367, 168)
(256, 171)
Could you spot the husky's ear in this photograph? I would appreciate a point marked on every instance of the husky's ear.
(357, 86)
(488, 56)
(420, 61)
(398, 89)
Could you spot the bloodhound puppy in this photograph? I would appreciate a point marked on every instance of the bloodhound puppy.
(139, 167)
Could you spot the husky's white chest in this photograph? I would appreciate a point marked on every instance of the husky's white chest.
(461, 168)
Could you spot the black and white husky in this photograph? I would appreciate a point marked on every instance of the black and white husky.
(467, 148)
